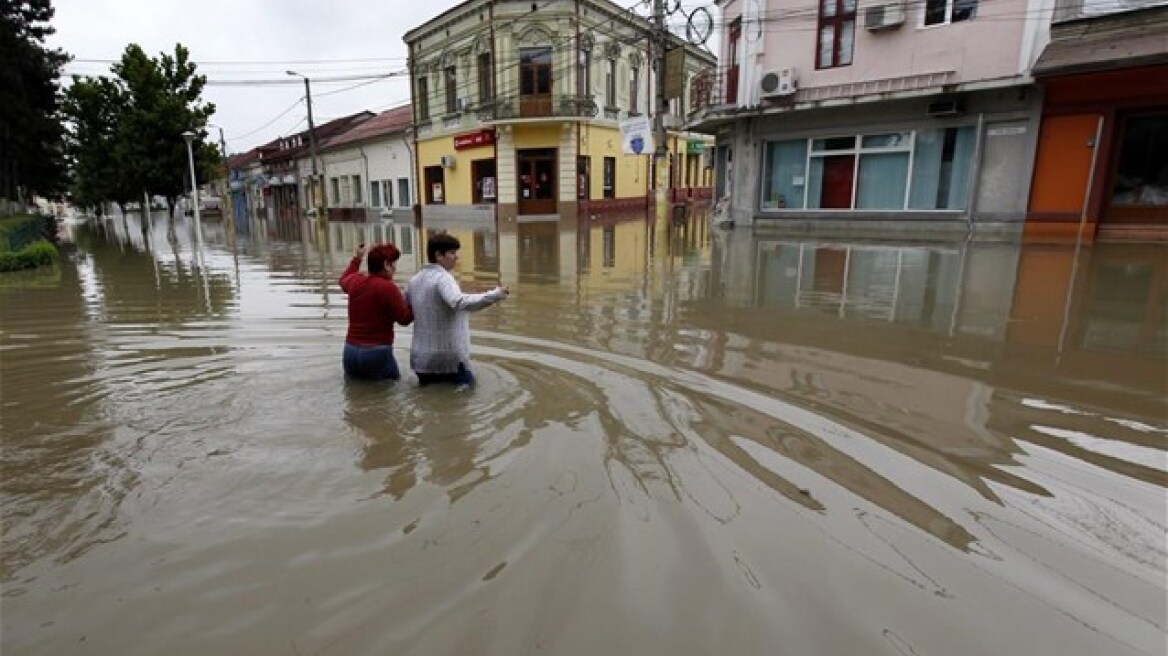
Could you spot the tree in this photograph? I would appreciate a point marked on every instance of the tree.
(31, 154)
(95, 110)
(133, 122)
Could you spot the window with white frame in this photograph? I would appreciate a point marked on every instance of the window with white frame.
(356, 186)
(375, 193)
(910, 170)
(941, 12)
(387, 187)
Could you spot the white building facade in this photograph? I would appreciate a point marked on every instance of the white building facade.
(368, 170)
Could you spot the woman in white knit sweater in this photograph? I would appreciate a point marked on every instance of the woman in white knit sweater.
(440, 352)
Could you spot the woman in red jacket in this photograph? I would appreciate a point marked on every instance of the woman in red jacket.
(375, 303)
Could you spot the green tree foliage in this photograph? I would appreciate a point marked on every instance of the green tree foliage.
(94, 107)
(126, 130)
(31, 155)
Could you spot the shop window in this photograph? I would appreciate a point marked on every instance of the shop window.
(926, 170)
(837, 33)
(940, 12)
(484, 181)
(435, 178)
(1141, 177)
(610, 177)
(941, 166)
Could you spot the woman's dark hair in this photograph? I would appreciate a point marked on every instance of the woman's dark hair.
(380, 254)
(442, 243)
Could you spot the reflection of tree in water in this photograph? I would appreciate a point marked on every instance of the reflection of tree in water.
(138, 288)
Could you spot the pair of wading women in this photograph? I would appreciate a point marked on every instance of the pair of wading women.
(433, 302)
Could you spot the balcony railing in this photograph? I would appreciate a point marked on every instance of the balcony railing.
(713, 87)
(550, 106)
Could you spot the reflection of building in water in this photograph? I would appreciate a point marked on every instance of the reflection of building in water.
(479, 251)
(344, 236)
(614, 246)
(1100, 312)
(937, 350)
(908, 285)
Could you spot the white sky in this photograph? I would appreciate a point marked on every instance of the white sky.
(260, 39)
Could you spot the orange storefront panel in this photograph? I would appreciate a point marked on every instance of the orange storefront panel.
(1062, 168)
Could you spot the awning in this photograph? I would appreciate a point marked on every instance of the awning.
(1102, 44)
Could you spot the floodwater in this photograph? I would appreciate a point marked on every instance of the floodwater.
(683, 441)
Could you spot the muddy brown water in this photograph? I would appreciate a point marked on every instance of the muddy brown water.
(683, 441)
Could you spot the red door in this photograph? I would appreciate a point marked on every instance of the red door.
(837, 182)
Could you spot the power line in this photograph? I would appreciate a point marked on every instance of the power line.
(265, 125)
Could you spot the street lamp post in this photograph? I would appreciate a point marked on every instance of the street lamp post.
(317, 199)
(190, 136)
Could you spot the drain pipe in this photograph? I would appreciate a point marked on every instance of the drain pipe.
(361, 149)
(975, 173)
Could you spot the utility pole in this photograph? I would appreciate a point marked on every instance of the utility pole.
(317, 183)
(659, 41)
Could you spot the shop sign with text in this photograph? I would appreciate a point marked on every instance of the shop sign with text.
(474, 139)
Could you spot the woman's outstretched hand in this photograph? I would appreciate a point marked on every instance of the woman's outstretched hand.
(359, 250)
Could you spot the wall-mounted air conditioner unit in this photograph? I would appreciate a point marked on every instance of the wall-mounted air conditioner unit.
(945, 107)
(447, 161)
(888, 16)
(778, 83)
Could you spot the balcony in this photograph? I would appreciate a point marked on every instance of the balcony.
(713, 88)
(509, 108)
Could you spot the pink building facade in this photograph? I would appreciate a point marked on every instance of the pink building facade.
(875, 113)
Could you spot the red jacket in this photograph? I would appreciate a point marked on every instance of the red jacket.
(375, 303)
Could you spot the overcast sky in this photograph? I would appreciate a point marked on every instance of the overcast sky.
(259, 40)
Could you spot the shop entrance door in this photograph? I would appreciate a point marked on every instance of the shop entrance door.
(537, 181)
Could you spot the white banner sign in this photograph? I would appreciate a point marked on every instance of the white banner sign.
(637, 136)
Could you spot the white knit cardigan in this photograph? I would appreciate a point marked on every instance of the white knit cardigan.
(442, 320)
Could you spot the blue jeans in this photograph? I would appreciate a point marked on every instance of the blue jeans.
(461, 377)
(370, 362)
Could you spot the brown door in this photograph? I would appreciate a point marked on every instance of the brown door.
(837, 182)
(537, 181)
(535, 82)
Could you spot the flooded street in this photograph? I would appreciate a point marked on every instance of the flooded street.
(683, 441)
